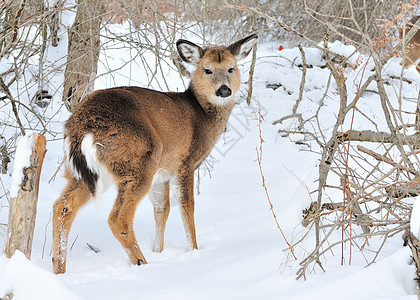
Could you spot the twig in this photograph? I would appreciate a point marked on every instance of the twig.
(13, 102)
(45, 236)
(259, 159)
(294, 113)
(251, 70)
(56, 172)
(302, 82)
(282, 119)
(74, 242)
(4, 189)
(379, 157)
(379, 250)
(93, 248)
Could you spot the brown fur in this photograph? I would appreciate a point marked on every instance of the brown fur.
(137, 133)
(412, 49)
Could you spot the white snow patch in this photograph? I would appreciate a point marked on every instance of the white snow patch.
(22, 160)
(5, 65)
(345, 50)
(26, 280)
(415, 218)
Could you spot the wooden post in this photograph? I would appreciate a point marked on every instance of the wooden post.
(22, 208)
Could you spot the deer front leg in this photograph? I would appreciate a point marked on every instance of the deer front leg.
(186, 200)
(74, 196)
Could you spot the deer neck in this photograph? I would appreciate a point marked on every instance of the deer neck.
(213, 109)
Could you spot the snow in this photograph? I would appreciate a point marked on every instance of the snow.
(4, 64)
(23, 155)
(242, 254)
(415, 219)
(28, 281)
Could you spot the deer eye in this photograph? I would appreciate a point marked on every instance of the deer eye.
(231, 70)
(208, 71)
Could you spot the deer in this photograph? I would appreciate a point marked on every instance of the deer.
(142, 140)
(412, 49)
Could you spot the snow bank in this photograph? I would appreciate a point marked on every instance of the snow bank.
(28, 281)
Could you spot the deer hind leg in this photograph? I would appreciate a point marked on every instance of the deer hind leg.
(65, 208)
(159, 195)
(121, 218)
(186, 200)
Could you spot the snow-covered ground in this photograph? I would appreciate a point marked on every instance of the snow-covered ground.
(242, 254)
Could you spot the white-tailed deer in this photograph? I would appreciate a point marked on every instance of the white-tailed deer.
(412, 49)
(140, 139)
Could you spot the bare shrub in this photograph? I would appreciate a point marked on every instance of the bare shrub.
(309, 17)
(366, 177)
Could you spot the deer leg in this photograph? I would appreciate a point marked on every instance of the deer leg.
(159, 195)
(121, 218)
(186, 200)
(65, 208)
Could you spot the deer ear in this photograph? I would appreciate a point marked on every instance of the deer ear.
(241, 48)
(189, 52)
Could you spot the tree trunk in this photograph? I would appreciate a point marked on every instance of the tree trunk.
(22, 209)
(83, 52)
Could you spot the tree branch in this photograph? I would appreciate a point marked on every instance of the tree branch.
(376, 137)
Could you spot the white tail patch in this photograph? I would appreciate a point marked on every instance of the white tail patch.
(105, 179)
(89, 151)
(88, 148)
(69, 160)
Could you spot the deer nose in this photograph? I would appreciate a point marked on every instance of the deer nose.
(223, 92)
